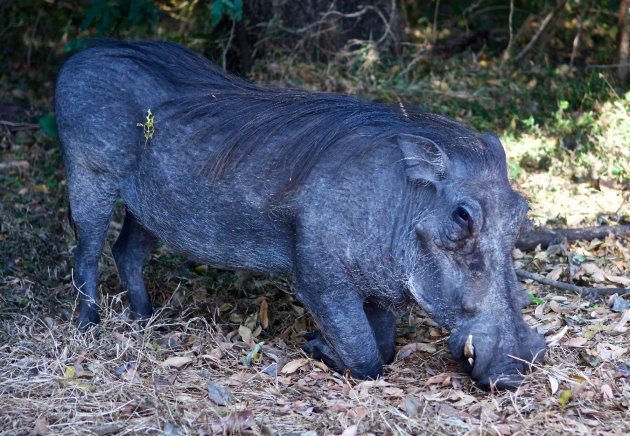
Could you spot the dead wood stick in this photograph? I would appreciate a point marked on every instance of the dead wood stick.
(530, 240)
(12, 124)
(536, 35)
(581, 290)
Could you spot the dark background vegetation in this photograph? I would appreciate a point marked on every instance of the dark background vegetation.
(549, 77)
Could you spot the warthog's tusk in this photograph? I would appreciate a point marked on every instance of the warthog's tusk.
(469, 349)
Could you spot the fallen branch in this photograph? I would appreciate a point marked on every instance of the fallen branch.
(545, 238)
(584, 291)
(24, 125)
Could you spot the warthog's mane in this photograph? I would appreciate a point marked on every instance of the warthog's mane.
(303, 124)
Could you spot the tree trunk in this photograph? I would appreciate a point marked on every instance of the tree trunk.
(624, 40)
(320, 28)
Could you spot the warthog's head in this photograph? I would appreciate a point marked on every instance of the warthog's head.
(463, 274)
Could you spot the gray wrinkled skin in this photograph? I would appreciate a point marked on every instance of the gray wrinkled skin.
(366, 207)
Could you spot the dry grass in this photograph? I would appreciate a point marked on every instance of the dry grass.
(114, 380)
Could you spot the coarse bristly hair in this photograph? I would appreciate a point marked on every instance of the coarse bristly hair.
(302, 123)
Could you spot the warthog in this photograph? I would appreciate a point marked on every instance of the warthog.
(367, 206)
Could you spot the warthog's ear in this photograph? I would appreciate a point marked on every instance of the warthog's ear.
(496, 149)
(425, 161)
(493, 140)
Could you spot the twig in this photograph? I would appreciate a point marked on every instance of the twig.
(357, 14)
(411, 64)
(30, 42)
(593, 67)
(435, 18)
(23, 125)
(506, 53)
(536, 35)
(227, 46)
(578, 35)
(581, 290)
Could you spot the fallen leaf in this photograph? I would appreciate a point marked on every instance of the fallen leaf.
(553, 340)
(171, 429)
(41, 188)
(176, 362)
(564, 398)
(591, 360)
(623, 369)
(124, 340)
(214, 354)
(556, 272)
(625, 317)
(619, 304)
(380, 383)
(553, 305)
(234, 423)
(245, 333)
(321, 365)
(264, 317)
(553, 384)
(394, 392)
(41, 426)
(271, 370)
(448, 411)
(339, 406)
(350, 431)
(620, 280)
(437, 379)
(293, 366)
(606, 391)
(575, 342)
(577, 378)
(359, 412)
(406, 351)
(218, 393)
(609, 351)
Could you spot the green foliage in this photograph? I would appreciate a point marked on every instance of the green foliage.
(233, 8)
(75, 45)
(47, 123)
(108, 16)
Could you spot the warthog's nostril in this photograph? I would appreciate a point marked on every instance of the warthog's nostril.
(469, 351)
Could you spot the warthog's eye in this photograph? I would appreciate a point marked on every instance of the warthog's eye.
(462, 217)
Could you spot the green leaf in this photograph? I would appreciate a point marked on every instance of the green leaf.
(535, 300)
(564, 397)
(47, 123)
(217, 12)
(75, 45)
(69, 372)
(579, 258)
(247, 360)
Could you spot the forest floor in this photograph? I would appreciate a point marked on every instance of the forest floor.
(188, 372)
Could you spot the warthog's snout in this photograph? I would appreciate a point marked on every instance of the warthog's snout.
(495, 359)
